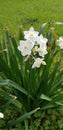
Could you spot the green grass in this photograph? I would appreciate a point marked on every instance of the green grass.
(16, 12)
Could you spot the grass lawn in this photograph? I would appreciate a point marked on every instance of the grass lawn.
(16, 12)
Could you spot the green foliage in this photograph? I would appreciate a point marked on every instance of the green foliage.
(25, 89)
(48, 120)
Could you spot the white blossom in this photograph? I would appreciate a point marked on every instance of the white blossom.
(42, 52)
(25, 47)
(31, 34)
(60, 42)
(1, 115)
(42, 49)
(42, 41)
(34, 44)
(38, 62)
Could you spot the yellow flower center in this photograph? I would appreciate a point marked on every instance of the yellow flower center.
(31, 34)
(25, 47)
(38, 62)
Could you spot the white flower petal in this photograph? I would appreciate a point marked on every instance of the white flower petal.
(31, 34)
(42, 40)
(43, 63)
(31, 29)
(60, 42)
(1, 115)
(38, 63)
(25, 47)
(42, 53)
(42, 45)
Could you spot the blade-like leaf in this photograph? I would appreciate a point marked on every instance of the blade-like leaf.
(4, 68)
(56, 84)
(42, 28)
(58, 23)
(13, 84)
(45, 97)
(58, 98)
(15, 102)
(21, 34)
(22, 118)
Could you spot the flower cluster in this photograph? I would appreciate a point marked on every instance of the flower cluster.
(35, 46)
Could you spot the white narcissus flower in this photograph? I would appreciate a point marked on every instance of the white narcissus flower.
(25, 47)
(31, 34)
(42, 50)
(42, 41)
(1, 115)
(60, 42)
(38, 62)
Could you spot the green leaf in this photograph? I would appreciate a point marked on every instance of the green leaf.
(4, 68)
(45, 97)
(59, 103)
(22, 118)
(58, 23)
(16, 51)
(47, 106)
(49, 24)
(21, 34)
(57, 84)
(13, 84)
(58, 98)
(42, 28)
(17, 104)
(9, 43)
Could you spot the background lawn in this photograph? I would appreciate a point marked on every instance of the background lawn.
(16, 12)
